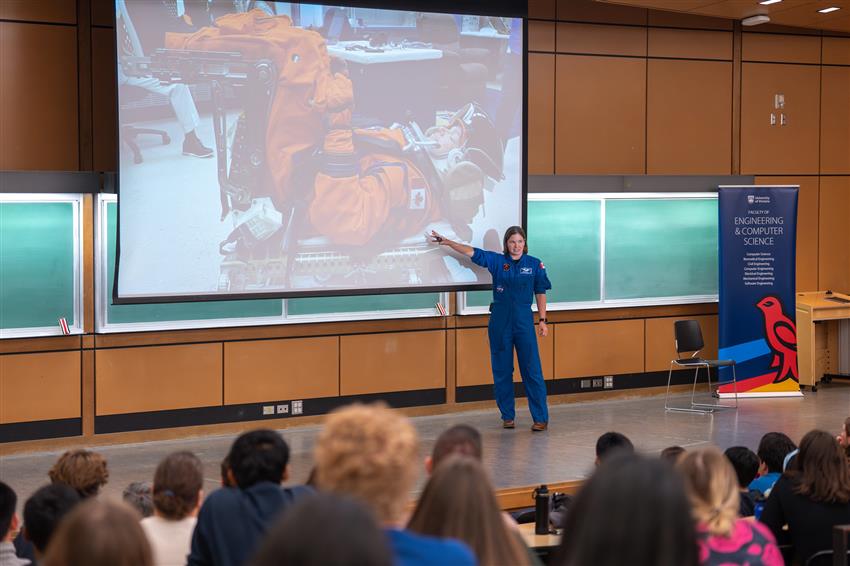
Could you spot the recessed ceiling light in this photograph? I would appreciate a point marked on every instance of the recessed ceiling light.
(830, 9)
(769, 2)
(755, 20)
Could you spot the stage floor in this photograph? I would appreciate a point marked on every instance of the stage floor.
(514, 457)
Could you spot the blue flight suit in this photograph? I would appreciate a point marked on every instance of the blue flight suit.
(512, 326)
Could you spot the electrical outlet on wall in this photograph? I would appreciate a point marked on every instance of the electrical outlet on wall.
(283, 409)
(298, 407)
(268, 410)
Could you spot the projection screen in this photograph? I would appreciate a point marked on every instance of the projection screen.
(300, 149)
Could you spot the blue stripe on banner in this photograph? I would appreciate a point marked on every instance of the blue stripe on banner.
(746, 351)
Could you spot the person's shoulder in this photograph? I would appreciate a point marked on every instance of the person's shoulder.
(448, 550)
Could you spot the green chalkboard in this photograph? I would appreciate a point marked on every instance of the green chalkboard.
(565, 236)
(660, 248)
(37, 264)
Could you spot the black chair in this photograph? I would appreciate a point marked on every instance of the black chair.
(689, 339)
(128, 132)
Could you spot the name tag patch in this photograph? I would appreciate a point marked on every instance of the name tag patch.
(525, 271)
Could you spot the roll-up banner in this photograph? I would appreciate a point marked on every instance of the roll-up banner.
(758, 233)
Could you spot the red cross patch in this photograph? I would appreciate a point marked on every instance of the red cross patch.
(506, 267)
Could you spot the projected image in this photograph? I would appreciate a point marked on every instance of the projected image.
(295, 148)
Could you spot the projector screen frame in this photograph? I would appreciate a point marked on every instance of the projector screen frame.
(462, 7)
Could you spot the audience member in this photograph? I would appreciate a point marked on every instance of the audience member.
(300, 536)
(370, 452)
(844, 437)
(232, 520)
(745, 462)
(99, 533)
(458, 502)
(773, 448)
(633, 510)
(83, 470)
(611, 443)
(138, 495)
(43, 511)
(459, 439)
(9, 525)
(723, 537)
(224, 469)
(177, 492)
(812, 497)
(672, 454)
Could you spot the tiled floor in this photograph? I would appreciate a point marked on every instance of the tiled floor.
(515, 457)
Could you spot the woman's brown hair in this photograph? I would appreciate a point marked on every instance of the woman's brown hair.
(820, 470)
(99, 533)
(83, 470)
(510, 232)
(177, 484)
(459, 503)
(712, 488)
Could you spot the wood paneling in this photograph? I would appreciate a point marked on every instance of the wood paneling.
(836, 51)
(807, 227)
(543, 9)
(279, 370)
(660, 340)
(834, 229)
(602, 39)
(48, 11)
(541, 109)
(102, 12)
(38, 387)
(158, 378)
(600, 115)
(835, 120)
(776, 149)
(689, 118)
(679, 20)
(473, 357)
(690, 44)
(599, 348)
(541, 36)
(404, 361)
(38, 97)
(104, 120)
(773, 48)
(592, 11)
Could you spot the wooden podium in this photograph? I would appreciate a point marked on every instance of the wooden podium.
(819, 335)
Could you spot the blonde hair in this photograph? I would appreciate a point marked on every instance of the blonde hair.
(712, 488)
(369, 452)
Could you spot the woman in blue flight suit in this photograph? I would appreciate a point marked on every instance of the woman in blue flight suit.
(517, 277)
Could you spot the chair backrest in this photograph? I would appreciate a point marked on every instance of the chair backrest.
(688, 336)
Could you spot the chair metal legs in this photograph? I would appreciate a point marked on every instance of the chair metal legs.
(700, 408)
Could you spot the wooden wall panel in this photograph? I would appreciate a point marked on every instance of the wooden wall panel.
(38, 97)
(601, 39)
(541, 36)
(689, 118)
(393, 361)
(660, 340)
(39, 387)
(690, 44)
(104, 119)
(780, 150)
(279, 370)
(48, 11)
(541, 109)
(592, 11)
(835, 120)
(543, 9)
(774, 48)
(834, 241)
(836, 51)
(690, 21)
(158, 378)
(473, 357)
(600, 118)
(807, 227)
(102, 12)
(599, 348)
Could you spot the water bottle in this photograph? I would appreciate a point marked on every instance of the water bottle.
(541, 510)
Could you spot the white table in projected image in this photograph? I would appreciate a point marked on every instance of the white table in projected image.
(359, 52)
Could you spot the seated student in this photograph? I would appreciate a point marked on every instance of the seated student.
(99, 533)
(723, 537)
(844, 437)
(177, 492)
(773, 448)
(369, 452)
(611, 443)
(459, 503)
(84, 470)
(746, 465)
(633, 510)
(672, 454)
(301, 535)
(9, 525)
(811, 497)
(459, 439)
(232, 520)
(42, 513)
(138, 495)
